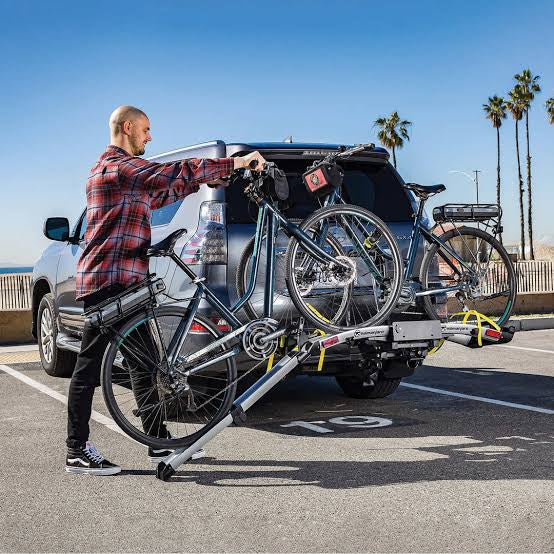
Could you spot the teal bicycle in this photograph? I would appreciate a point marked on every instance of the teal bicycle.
(169, 374)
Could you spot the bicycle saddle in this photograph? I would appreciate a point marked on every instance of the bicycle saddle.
(423, 191)
(165, 247)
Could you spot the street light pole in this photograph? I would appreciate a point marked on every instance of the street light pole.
(475, 180)
(477, 171)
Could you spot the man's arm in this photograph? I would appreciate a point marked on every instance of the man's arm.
(168, 182)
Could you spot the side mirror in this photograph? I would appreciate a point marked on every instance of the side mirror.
(56, 228)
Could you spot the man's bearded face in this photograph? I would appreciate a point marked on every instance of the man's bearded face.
(140, 135)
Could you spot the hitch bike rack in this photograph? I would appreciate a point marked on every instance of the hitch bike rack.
(404, 334)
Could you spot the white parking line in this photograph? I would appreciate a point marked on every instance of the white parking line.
(479, 398)
(526, 348)
(96, 416)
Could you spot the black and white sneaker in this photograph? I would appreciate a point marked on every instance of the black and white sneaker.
(156, 456)
(88, 459)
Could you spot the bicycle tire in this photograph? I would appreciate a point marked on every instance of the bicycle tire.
(487, 237)
(395, 259)
(108, 384)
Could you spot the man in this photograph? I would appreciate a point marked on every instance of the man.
(121, 190)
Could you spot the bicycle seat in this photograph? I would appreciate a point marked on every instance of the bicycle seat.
(165, 247)
(424, 191)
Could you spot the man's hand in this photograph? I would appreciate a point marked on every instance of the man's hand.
(244, 161)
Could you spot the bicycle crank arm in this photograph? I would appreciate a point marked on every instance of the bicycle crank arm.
(273, 336)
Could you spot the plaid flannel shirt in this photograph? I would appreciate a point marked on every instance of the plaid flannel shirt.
(121, 192)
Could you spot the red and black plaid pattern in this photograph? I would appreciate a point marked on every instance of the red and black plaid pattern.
(121, 192)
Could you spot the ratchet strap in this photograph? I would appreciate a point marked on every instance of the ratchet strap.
(272, 357)
(321, 353)
(479, 318)
(437, 347)
(323, 334)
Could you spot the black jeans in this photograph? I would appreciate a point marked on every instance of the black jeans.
(86, 377)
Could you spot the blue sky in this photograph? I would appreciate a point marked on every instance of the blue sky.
(321, 71)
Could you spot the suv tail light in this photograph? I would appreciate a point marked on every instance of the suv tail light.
(221, 324)
(208, 245)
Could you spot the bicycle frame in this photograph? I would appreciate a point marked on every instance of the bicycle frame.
(446, 253)
(270, 220)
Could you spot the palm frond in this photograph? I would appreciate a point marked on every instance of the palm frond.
(495, 110)
(530, 84)
(392, 130)
(550, 110)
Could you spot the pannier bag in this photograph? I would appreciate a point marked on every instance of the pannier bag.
(322, 178)
(275, 184)
(122, 305)
(466, 212)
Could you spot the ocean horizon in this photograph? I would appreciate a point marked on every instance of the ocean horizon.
(21, 269)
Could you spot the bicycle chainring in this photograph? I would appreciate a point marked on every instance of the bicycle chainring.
(252, 335)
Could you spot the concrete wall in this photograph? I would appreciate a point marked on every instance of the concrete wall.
(526, 303)
(15, 326)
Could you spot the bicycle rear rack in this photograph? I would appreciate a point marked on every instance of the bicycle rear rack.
(406, 334)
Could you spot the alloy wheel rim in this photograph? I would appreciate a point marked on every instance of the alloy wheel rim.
(46, 335)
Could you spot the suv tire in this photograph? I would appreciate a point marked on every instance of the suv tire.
(56, 362)
(352, 386)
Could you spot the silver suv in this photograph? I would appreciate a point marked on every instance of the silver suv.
(370, 181)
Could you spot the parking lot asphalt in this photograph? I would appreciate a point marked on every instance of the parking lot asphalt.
(460, 458)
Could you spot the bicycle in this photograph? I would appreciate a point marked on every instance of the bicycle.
(298, 281)
(479, 275)
(167, 391)
(466, 264)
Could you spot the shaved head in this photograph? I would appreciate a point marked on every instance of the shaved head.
(122, 114)
(130, 129)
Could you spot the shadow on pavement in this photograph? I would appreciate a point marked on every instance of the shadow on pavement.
(490, 459)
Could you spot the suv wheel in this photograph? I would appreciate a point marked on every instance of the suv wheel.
(353, 386)
(56, 362)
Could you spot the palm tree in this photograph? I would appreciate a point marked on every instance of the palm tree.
(393, 131)
(516, 106)
(530, 85)
(550, 110)
(496, 112)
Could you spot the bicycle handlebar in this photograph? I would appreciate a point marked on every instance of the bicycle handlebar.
(349, 152)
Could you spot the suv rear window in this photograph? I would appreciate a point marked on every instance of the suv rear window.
(370, 185)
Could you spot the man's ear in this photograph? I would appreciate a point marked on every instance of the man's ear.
(126, 127)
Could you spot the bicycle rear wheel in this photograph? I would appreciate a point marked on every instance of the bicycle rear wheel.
(368, 274)
(284, 309)
(489, 277)
(153, 406)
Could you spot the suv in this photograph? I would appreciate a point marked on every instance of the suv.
(370, 181)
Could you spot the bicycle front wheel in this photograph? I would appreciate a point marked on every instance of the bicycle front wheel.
(156, 406)
(284, 309)
(361, 286)
(486, 277)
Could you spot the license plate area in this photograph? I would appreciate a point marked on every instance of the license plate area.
(410, 331)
